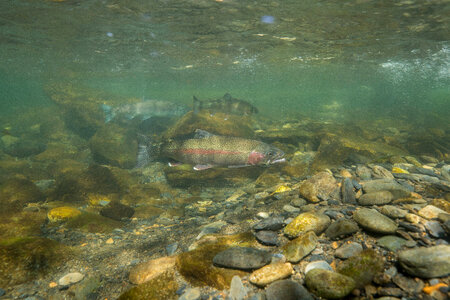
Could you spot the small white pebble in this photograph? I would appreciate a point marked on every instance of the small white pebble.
(70, 278)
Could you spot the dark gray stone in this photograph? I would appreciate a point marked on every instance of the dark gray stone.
(341, 227)
(270, 224)
(269, 238)
(426, 262)
(372, 220)
(244, 258)
(376, 198)
(348, 194)
(287, 290)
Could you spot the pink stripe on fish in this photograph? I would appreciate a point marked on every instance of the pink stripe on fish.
(207, 152)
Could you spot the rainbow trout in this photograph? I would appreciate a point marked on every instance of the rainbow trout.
(206, 150)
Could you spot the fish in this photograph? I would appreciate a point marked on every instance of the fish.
(227, 104)
(206, 150)
(144, 110)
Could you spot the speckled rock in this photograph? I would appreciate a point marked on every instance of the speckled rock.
(318, 187)
(372, 220)
(329, 284)
(309, 221)
(362, 267)
(287, 290)
(341, 228)
(243, 258)
(298, 248)
(151, 269)
(376, 198)
(426, 262)
(271, 273)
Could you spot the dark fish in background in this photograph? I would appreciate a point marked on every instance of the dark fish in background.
(144, 110)
(227, 104)
(206, 150)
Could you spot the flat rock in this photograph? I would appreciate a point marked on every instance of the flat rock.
(318, 187)
(426, 262)
(70, 278)
(348, 250)
(341, 228)
(270, 273)
(393, 211)
(397, 190)
(391, 242)
(287, 290)
(151, 269)
(244, 258)
(329, 284)
(348, 194)
(376, 198)
(298, 248)
(435, 229)
(430, 212)
(372, 220)
(308, 221)
(380, 172)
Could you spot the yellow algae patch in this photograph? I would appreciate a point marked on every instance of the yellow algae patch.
(62, 213)
(399, 170)
(281, 189)
(98, 200)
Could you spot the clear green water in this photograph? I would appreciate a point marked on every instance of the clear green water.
(344, 59)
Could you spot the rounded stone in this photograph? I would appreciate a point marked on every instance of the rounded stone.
(271, 273)
(318, 264)
(308, 221)
(372, 220)
(348, 250)
(63, 213)
(426, 262)
(244, 258)
(298, 248)
(269, 238)
(329, 284)
(341, 228)
(287, 290)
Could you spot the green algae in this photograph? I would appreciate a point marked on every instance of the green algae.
(163, 287)
(26, 258)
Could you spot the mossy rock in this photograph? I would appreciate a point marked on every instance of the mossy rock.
(197, 267)
(24, 259)
(15, 193)
(163, 287)
(21, 224)
(328, 284)
(217, 123)
(114, 145)
(90, 222)
(362, 267)
(63, 213)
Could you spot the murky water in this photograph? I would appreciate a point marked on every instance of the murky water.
(337, 84)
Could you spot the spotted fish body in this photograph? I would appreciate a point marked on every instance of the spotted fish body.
(216, 150)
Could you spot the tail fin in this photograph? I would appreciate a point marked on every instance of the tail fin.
(197, 105)
(109, 112)
(143, 155)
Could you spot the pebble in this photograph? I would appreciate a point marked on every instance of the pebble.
(329, 284)
(244, 258)
(426, 262)
(291, 209)
(191, 294)
(348, 250)
(237, 289)
(430, 212)
(318, 264)
(372, 220)
(391, 242)
(268, 238)
(262, 215)
(341, 228)
(273, 224)
(393, 211)
(70, 278)
(287, 290)
(376, 198)
(308, 221)
(298, 202)
(270, 273)
(298, 248)
(151, 269)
